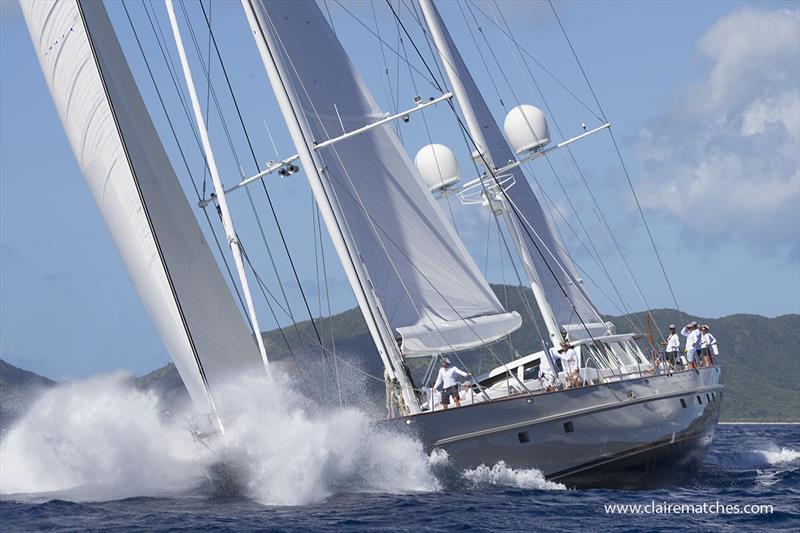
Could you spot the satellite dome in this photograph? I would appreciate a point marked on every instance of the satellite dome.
(437, 166)
(526, 128)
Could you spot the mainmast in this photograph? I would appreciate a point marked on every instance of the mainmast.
(348, 254)
(483, 157)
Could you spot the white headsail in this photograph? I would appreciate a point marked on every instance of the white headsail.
(553, 269)
(431, 292)
(139, 195)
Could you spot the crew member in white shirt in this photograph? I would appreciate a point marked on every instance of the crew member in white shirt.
(569, 360)
(547, 375)
(671, 347)
(693, 343)
(707, 343)
(448, 381)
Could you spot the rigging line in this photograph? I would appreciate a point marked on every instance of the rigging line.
(561, 266)
(555, 173)
(387, 82)
(483, 59)
(234, 153)
(418, 18)
(161, 41)
(356, 196)
(467, 139)
(323, 360)
(555, 208)
(266, 192)
(330, 17)
(350, 257)
(395, 52)
(488, 166)
(621, 162)
(233, 150)
(316, 252)
(264, 291)
(208, 98)
(516, 99)
(464, 133)
(318, 236)
(569, 156)
(593, 253)
(153, 234)
(575, 55)
(430, 141)
(375, 226)
(540, 65)
(373, 223)
(397, 77)
(183, 157)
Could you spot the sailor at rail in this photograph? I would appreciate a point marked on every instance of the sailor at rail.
(547, 375)
(448, 381)
(569, 360)
(707, 345)
(693, 343)
(671, 347)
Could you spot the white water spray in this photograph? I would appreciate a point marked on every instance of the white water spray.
(502, 475)
(99, 439)
(103, 439)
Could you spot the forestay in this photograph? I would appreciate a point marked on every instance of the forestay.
(430, 290)
(555, 270)
(138, 194)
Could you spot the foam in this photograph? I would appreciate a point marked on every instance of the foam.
(102, 439)
(779, 455)
(502, 475)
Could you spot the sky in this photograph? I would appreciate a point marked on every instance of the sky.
(703, 97)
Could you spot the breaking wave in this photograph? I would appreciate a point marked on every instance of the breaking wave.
(103, 439)
(502, 475)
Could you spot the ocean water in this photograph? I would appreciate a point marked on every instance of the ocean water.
(101, 455)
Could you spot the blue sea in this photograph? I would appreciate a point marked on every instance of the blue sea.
(747, 465)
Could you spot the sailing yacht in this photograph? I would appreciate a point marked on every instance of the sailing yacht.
(626, 422)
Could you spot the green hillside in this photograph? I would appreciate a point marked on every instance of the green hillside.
(18, 388)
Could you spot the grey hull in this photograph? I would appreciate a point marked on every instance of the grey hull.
(639, 433)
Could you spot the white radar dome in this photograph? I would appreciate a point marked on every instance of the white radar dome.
(526, 128)
(437, 166)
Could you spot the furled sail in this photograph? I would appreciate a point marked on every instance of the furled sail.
(139, 195)
(431, 292)
(571, 306)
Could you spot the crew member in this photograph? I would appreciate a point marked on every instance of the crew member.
(707, 344)
(671, 347)
(448, 381)
(693, 343)
(569, 360)
(547, 375)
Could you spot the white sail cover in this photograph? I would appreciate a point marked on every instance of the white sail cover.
(138, 194)
(425, 280)
(555, 269)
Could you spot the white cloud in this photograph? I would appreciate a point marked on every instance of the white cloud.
(724, 159)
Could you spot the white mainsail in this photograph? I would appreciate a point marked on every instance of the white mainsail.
(555, 272)
(139, 195)
(431, 292)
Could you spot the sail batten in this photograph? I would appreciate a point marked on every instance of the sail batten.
(139, 195)
(419, 269)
